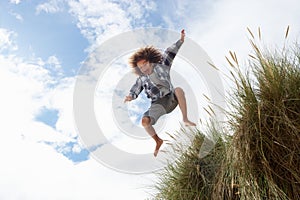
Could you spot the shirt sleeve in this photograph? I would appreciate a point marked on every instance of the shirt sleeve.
(136, 89)
(170, 53)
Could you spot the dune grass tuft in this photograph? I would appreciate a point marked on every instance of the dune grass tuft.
(190, 176)
(263, 159)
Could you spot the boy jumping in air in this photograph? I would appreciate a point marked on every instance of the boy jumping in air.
(153, 70)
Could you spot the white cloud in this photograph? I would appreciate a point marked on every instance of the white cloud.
(25, 91)
(17, 16)
(225, 27)
(52, 6)
(99, 20)
(6, 40)
(76, 148)
(15, 1)
(35, 171)
(29, 168)
(62, 100)
(53, 65)
(221, 26)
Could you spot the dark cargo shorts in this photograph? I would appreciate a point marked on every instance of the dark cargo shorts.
(161, 106)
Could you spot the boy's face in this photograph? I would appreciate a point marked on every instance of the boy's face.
(145, 67)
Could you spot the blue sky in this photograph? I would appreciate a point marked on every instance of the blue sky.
(42, 47)
(39, 33)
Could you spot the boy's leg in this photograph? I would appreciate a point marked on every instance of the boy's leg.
(182, 105)
(146, 122)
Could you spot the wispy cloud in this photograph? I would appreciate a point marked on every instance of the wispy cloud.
(15, 1)
(99, 20)
(52, 6)
(225, 26)
(17, 16)
(7, 40)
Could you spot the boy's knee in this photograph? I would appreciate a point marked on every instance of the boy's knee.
(146, 121)
(179, 91)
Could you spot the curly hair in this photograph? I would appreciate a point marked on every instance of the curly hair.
(148, 53)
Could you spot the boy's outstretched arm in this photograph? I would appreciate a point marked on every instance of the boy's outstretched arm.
(127, 98)
(182, 35)
(171, 51)
(134, 91)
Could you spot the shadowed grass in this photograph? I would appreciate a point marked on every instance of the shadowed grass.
(261, 157)
(190, 176)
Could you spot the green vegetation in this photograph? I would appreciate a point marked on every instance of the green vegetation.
(260, 158)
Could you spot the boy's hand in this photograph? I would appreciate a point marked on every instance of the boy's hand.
(182, 35)
(127, 98)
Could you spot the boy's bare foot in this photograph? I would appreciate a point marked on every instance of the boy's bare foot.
(159, 142)
(189, 123)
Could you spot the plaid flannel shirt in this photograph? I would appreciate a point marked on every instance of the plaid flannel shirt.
(162, 70)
